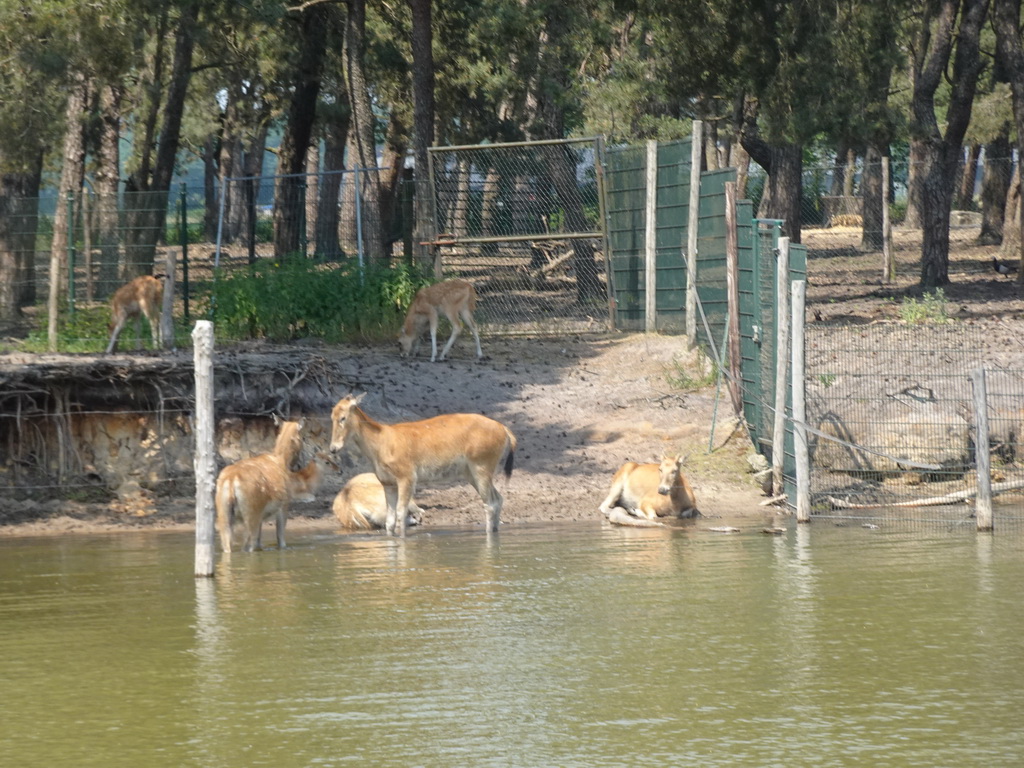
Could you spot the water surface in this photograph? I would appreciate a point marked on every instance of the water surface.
(546, 645)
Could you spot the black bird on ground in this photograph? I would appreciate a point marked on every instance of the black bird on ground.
(1002, 267)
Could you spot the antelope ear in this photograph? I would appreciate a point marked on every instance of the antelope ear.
(277, 420)
(680, 459)
(357, 399)
(302, 423)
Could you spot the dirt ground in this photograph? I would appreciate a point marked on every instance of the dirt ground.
(581, 406)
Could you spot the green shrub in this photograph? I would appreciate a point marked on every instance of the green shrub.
(298, 298)
(930, 308)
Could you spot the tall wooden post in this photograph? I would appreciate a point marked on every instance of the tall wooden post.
(800, 450)
(983, 507)
(732, 280)
(782, 320)
(692, 224)
(205, 467)
(167, 312)
(888, 265)
(651, 240)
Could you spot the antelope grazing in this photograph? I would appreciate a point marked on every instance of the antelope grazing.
(362, 505)
(457, 299)
(403, 454)
(652, 490)
(253, 490)
(142, 296)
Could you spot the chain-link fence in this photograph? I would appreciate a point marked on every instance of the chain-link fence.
(895, 420)
(362, 214)
(523, 222)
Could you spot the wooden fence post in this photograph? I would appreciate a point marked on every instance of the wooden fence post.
(803, 464)
(983, 506)
(732, 280)
(888, 265)
(693, 222)
(651, 240)
(167, 315)
(782, 320)
(205, 466)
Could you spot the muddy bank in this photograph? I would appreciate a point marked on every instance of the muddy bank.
(579, 406)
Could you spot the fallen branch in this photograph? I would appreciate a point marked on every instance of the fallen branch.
(932, 501)
(619, 516)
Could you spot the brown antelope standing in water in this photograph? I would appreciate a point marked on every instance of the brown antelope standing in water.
(403, 454)
(652, 490)
(253, 490)
(142, 296)
(362, 505)
(457, 299)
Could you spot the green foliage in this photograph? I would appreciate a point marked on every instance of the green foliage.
(87, 331)
(299, 298)
(691, 376)
(930, 308)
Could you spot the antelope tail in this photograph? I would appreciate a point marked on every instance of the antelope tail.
(510, 459)
(226, 502)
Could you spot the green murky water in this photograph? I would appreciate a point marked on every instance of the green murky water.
(562, 645)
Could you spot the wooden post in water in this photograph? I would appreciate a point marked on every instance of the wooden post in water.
(782, 320)
(983, 506)
(205, 467)
(803, 462)
(651, 240)
(693, 221)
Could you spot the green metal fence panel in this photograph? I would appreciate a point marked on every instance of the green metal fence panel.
(626, 176)
(713, 304)
(671, 227)
(624, 211)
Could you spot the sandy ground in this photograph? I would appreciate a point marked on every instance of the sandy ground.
(579, 407)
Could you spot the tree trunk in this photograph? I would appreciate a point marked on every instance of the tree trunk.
(336, 127)
(148, 216)
(393, 163)
(1012, 221)
(783, 189)
(912, 218)
(873, 200)
(289, 211)
(1006, 22)
(19, 196)
(71, 176)
(423, 128)
(937, 175)
(107, 184)
(995, 182)
(968, 175)
(786, 188)
(936, 39)
(362, 138)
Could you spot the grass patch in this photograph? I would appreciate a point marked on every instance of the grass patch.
(930, 309)
(691, 376)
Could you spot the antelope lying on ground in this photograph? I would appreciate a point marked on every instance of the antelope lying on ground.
(457, 299)
(362, 504)
(403, 454)
(652, 490)
(142, 296)
(253, 490)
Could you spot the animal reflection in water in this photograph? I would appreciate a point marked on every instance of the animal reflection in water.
(362, 504)
(255, 489)
(464, 444)
(641, 493)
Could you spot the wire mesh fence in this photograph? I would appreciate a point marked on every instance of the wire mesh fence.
(523, 222)
(895, 421)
